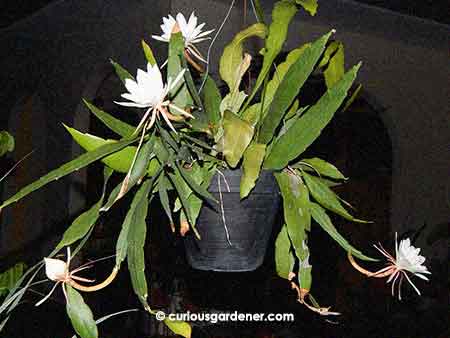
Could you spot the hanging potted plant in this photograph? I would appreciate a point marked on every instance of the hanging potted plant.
(217, 165)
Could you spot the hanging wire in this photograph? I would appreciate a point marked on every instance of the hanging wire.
(212, 43)
(222, 210)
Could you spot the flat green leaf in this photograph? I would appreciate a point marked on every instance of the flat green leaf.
(232, 102)
(237, 136)
(231, 59)
(69, 167)
(179, 327)
(148, 53)
(234, 99)
(284, 259)
(304, 268)
(251, 166)
(282, 14)
(295, 206)
(309, 126)
(326, 197)
(6, 142)
(179, 95)
(352, 97)
(119, 127)
(10, 277)
(140, 167)
(279, 74)
(120, 161)
(163, 186)
(136, 241)
(323, 168)
(189, 202)
(335, 70)
(252, 114)
(83, 223)
(321, 217)
(211, 101)
(289, 88)
(121, 72)
(196, 187)
(80, 314)
(309, 5)
(135, 214)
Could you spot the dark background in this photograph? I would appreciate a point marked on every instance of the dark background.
(437, 10)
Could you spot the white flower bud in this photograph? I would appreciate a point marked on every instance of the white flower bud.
(55, 269)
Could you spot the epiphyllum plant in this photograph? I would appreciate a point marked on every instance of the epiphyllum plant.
(265, 128)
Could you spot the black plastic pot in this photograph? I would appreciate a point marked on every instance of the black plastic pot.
(248, 222)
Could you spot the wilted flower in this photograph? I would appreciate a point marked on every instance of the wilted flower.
(58, 271)
(407, 260)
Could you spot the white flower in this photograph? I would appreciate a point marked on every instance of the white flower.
(55, 269)
(191, 32)
(408, 258)
(149, 91)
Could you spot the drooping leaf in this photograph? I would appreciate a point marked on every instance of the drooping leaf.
(326, 197)
(9, 278)
(121, 72)
(284, 259)
(309, 126)
(309, 5)
(295, 206)
(119, 127)
(179, 95)
(232, 58)
(148, 53)
(304, 267)
(136, 240)
(251, 166)
(80, 314)
(323, 168)
(135, 214)
(179, 327)
(237, 136)
(6, 142)
(83, 223)
(69, 167)
(211, 101)
(320, 216)
(290, 86)
(282, 14)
